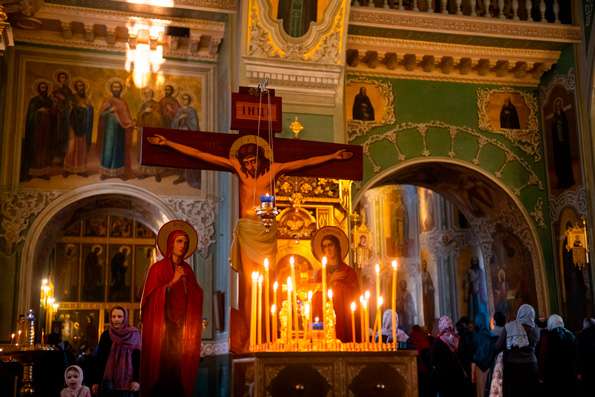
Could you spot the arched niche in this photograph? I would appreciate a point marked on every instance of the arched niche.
(114, 198)
(492, 209)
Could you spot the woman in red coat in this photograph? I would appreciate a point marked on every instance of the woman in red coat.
(171, 317)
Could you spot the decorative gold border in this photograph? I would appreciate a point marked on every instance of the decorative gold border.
(528, 140)
(357, 128)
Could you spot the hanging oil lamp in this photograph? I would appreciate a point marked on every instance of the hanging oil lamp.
(266, 211)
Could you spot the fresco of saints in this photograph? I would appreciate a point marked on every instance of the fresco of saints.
(62, 97)
(186, 116)
(149, 115)
(168, 107)
(37, 157)
(297, 15)
(81, 130)
(509, 117)
(115, 129)
(187, 119)
(362, 106)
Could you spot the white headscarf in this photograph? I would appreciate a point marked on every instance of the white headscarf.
(554, 321)
(515, 332)
(387, 327)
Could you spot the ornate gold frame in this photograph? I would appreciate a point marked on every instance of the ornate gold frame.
(357, 128)
(529, 139)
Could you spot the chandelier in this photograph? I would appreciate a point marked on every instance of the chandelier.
(144, 50)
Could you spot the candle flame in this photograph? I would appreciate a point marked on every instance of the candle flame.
(330, 294)
(291, 261)
(309, 295)
(55, 306)
(316, 319)
(307, 309)
(273, 309)
(377, 267)
(380, 301)
(394, 264)
(12, 335)
(289, 285)
(44, 281)
(260, 278)
(266, 264)
(275, 285)
(254, 276)
(51, 300)
(361, 299)
(324, 261)
(367, 295)
(20, 332)
(353, 306)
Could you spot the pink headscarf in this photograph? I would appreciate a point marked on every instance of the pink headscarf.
(446, 333)
(125, 340)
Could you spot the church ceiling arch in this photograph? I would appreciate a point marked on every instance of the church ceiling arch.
(490, 206)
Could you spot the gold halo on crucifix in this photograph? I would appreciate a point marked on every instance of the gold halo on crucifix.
(172, 226)
(329, 231)
(254, 140)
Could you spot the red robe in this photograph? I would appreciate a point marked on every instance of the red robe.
(345, 286)
(181, 306)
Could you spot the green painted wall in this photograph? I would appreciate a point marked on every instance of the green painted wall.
(317, 127)
(436, 108)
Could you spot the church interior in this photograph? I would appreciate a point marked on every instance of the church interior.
(426, 160)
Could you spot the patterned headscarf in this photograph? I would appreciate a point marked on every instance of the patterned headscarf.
(515, 332)
(447, 334)
(119, 369)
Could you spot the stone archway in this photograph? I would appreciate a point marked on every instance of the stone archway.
(136, 202)
(486, 202)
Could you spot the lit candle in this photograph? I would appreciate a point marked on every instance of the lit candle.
(289, 309)
(266, 300)
(367, 315)
(274, 313)
(310, 313)
(253, 309)
(259, 304)
(323, 289)
(353, 322)
(394, 303)
(275, 288)
(307, 314)
(12, 338)
(19, 332)
(50, 306)
(361, 318)
(379, 317)
(296, 321)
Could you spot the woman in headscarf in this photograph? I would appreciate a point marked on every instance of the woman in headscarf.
(172, 318)
(387, 328)
(117, 358)
(73, 377)
(559, 359)
(518, 341)
(447, 376)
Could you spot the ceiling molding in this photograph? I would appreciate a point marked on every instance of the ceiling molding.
(108, 30)
(451, 62)
(390, 19)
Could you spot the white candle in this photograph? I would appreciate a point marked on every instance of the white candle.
(274, 313)
(323, 292)
(296, 321)
(379, 310)
(353, 322)
(289, 309)
(394, 303)
(253, 309)
(266, 300)
(259, 305)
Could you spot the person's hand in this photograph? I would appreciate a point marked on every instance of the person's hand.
(95, 389)
(343, 154)
(157, 140)
(134, 386)
(177, 275)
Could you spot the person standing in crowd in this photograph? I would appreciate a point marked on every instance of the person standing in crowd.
(73, 376)
(466, 349)
(421, 341)
(559, 359)
(518, 341)
(483, 353)
(117, 358)
(448, 376)
(586, 357)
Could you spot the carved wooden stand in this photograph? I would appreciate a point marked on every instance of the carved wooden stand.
(326, 374)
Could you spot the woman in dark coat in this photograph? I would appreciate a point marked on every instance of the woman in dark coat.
(518, 341)
(559, 359)
(448, 377)
(117, 358)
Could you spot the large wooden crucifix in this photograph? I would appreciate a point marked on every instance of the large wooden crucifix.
(257, 162)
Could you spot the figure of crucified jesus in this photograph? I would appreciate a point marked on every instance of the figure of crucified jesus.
(250, 157)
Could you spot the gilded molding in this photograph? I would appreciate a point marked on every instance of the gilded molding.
(323, 43)
(529, 139)
(357, 128)
(462, 25)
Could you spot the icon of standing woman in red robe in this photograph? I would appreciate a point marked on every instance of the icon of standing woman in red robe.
(171, 316)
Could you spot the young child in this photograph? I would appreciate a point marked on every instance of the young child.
(73, 376)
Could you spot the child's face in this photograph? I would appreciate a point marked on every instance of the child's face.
(72, 379)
